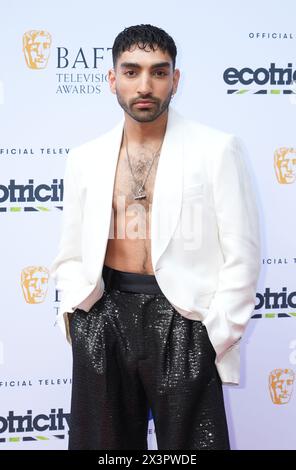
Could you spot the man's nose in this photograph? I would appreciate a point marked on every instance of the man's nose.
(144, 84)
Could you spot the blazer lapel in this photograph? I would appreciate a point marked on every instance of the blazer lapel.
(100, 195)
(168, 187)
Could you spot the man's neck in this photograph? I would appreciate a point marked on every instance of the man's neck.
(140, 133)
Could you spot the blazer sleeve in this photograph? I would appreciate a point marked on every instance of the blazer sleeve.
(239, 235)
(66, 269)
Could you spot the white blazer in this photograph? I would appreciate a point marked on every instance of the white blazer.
(205, 244)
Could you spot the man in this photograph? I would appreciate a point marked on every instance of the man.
(157, 265)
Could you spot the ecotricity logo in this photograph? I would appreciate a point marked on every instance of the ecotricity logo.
(276, 304)
(78, 72)
(31, 197)
(55, 425)
(273, 80)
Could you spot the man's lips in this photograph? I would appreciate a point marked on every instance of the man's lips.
(144, 104)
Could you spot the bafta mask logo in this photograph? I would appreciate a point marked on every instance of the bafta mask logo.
(281, 385)
(34, 280)
(285, 165)
(36, 47)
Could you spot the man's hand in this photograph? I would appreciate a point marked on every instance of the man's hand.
(67, 318)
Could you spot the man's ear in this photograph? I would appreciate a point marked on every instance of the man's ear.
(112, 80)
(176, 79)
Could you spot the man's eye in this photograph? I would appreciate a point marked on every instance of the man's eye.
(160, 73)
(130, 73)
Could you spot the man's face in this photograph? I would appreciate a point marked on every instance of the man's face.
(144, 82)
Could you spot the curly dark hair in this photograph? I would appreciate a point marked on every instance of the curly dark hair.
(144, 35)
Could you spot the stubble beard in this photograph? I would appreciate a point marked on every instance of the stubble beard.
(148, 114)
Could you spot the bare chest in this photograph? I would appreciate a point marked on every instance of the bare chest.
(126, 184)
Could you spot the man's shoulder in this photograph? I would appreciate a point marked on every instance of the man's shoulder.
(210, 141)
(198, 130)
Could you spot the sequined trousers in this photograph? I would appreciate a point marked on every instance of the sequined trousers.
(133, 352)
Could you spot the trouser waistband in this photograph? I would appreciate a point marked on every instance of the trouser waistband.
(130, 282)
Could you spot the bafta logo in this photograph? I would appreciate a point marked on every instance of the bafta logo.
(34, 280)
(285, 165)
(36, 47)
(281, 385)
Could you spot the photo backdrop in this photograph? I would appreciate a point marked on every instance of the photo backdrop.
(237, 74)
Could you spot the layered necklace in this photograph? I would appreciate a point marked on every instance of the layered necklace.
(139, 192)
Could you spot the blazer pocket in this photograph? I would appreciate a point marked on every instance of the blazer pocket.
(194, 190)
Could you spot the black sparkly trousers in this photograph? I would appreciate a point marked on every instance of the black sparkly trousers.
(133, 352)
